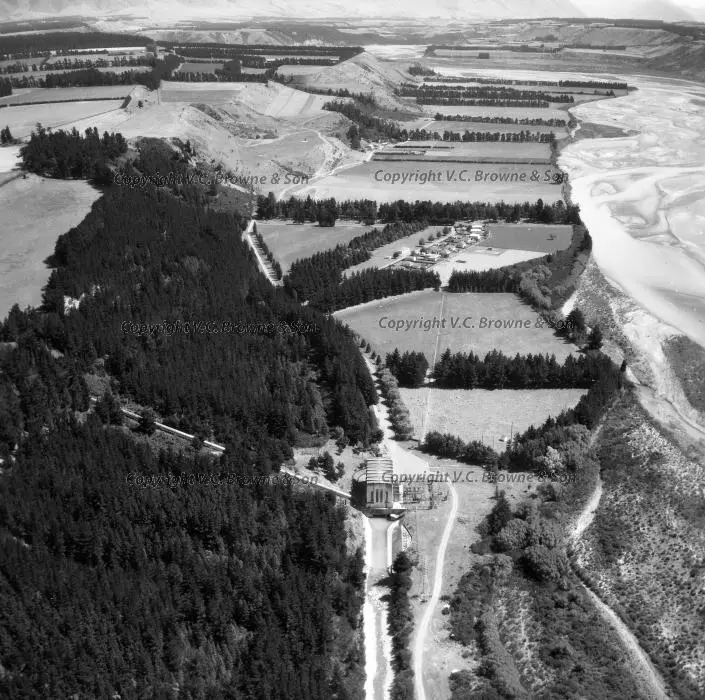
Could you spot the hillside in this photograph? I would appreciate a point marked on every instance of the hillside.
(489, 9)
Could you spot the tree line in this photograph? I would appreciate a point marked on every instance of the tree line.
(306, 275)
(606, 85)
(498, 371)
(524, 136)
(534, 121)
(409, 369)
(308, 209)
(206, 50)
(268, 254)
(91, 77)
(30, 45)
(433, 213)
(427, 92)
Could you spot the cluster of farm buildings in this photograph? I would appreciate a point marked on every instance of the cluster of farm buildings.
(461, 235)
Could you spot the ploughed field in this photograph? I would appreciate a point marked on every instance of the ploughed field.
(473, 322)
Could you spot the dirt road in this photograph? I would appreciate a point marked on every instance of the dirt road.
(422, 631)
(651, 684)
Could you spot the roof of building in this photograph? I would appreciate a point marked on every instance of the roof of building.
(377, 467)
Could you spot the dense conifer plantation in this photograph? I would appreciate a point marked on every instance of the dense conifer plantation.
(112, 585)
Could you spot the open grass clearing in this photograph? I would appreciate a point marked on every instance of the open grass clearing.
(479, 258)
(487, 416)
(389, 181)
(372, 320)
(533, 237)
(69, 94)
(299, 69)
(23, 119)
(290, 242)
(42, 210)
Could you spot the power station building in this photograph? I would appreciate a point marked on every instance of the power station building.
(382, 489)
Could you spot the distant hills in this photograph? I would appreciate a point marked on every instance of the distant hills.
(309, 9)
(665, 10)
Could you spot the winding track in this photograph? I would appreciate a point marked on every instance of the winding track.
(422, 631)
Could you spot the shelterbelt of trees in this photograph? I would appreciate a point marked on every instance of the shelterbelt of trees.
(498, 371)
(315, 277)
(481, 136)
(30, 45)
(225, 591)
(427, 93)
(433, 213)
(71, 63)
(536, 121)
(595, 84)
(90, 77)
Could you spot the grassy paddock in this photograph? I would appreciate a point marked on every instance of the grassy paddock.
(387, 181)
(41, 211)
(96, 92)
(290, 242)
(367, 320)
(533, 237)
(23, 119)
(480, 414)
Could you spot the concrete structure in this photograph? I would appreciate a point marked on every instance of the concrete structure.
(382, 491)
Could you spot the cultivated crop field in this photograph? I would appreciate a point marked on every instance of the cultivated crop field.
(97, 92)
(23, 119)
(289, 242)
(371, 321)
(389, 181)
(42, 210)
(533, 237)
(480, 414)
